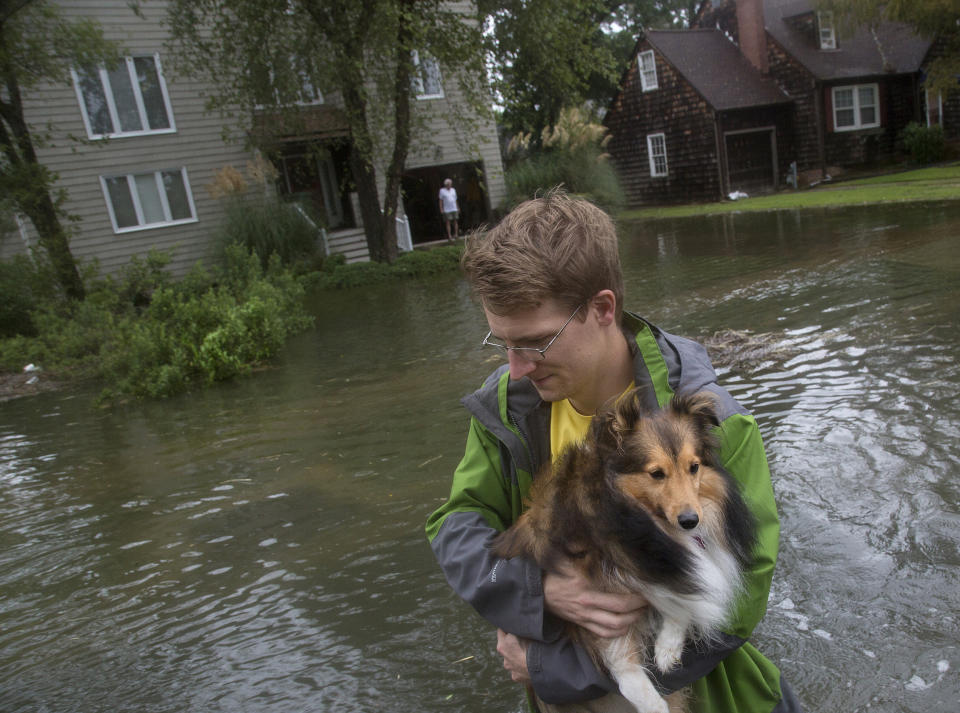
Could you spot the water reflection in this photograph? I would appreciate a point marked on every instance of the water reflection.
(259, 546)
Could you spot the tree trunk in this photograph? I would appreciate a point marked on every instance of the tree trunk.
(401, 129)
(55, 241)
(365, 179)
(31, 186)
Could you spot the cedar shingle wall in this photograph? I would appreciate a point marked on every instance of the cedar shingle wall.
(677, 111)
(897, 109)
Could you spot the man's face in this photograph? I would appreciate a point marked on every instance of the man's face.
(567, 365)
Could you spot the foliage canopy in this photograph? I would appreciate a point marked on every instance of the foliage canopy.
(38, 45)
(263, 54)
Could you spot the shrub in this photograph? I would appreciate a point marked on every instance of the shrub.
(926, 144)
(336, 274)
(17, 297)
(147, 336)
(265, 226)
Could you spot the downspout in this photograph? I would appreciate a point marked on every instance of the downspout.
(721, 156)
(821, 126)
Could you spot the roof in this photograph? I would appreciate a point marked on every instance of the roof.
(859, 55)
(716, 69)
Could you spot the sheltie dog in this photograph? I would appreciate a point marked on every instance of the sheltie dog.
(643, 505)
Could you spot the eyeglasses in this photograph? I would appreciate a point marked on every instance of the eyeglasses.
(530, 353)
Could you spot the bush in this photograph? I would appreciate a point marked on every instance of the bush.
(17, 297)
(148, 336)
(926, 144)
(336, 274)
(265, 225)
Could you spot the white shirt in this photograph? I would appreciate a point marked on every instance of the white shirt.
(449, 198)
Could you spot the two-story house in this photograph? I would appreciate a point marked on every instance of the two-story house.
(759, 91)
(139, 181)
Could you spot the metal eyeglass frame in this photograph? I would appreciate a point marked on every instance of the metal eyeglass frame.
(530, 353)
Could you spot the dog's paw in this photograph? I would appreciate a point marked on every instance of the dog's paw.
(667, 660)
(668, 649)
(638, 689)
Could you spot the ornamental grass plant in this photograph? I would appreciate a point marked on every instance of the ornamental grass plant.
(571, 153)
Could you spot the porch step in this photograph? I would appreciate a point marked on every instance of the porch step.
(352, 244)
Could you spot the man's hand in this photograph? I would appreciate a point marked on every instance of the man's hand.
(514, 652)
(571, 596)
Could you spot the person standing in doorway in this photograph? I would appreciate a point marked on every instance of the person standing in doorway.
(450, 209)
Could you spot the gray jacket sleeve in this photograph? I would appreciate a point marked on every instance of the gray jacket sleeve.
(507, 593)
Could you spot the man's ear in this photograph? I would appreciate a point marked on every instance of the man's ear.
(605, 304)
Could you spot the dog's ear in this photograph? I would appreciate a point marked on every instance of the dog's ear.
(701, 407)
(614, 419)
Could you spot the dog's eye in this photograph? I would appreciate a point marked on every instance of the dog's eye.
(694, 467)
(658, 474)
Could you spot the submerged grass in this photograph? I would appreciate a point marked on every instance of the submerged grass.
(939, 183)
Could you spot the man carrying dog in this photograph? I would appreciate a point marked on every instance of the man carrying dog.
(549, 280)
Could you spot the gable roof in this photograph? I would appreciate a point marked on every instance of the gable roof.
(715, 67)
(897, 49)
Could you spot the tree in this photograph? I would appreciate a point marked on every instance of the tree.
(37, 46)
(938, 20)
(547, 55)
(259, 52)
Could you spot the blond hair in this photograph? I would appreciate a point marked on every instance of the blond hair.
(556, 246)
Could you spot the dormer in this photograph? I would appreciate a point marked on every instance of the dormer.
(826, 31)
(817, 28)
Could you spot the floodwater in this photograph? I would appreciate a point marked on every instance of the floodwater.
(259, 546)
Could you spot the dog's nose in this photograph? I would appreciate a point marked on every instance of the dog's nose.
(688, 519)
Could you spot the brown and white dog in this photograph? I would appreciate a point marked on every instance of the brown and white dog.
(644, 506)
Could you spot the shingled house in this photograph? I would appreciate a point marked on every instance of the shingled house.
(698, 109)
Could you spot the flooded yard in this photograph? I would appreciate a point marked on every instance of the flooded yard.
(259, 546)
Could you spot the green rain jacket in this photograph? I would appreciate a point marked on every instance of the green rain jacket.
(509, 442)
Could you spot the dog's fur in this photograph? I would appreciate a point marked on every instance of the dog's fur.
(643, 505)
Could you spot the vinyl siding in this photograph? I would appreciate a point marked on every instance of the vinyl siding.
(197, 145)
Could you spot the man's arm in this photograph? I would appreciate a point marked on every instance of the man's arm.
(507, 593)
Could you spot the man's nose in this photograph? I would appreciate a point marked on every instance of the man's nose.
(519, 367)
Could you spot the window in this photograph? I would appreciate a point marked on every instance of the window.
(828, 38)
(127, 100)
(855, 107)
(648, 70)
(147, 200)
(657, 151)
(426, 77)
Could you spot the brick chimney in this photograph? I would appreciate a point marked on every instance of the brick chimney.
(752, 35)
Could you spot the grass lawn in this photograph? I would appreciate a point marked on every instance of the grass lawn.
(938, 183)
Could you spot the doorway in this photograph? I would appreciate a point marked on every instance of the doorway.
(751, 160)
(420, 199)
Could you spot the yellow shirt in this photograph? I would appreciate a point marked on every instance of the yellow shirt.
(567, 425)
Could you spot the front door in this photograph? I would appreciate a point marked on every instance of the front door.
(310, 175)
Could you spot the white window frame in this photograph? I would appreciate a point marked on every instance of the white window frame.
(138, 208)
(306, 87)
(647, 66)
(857, 107)
(653, 155)
(826, 31)
(104, 78)
(419, 86)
